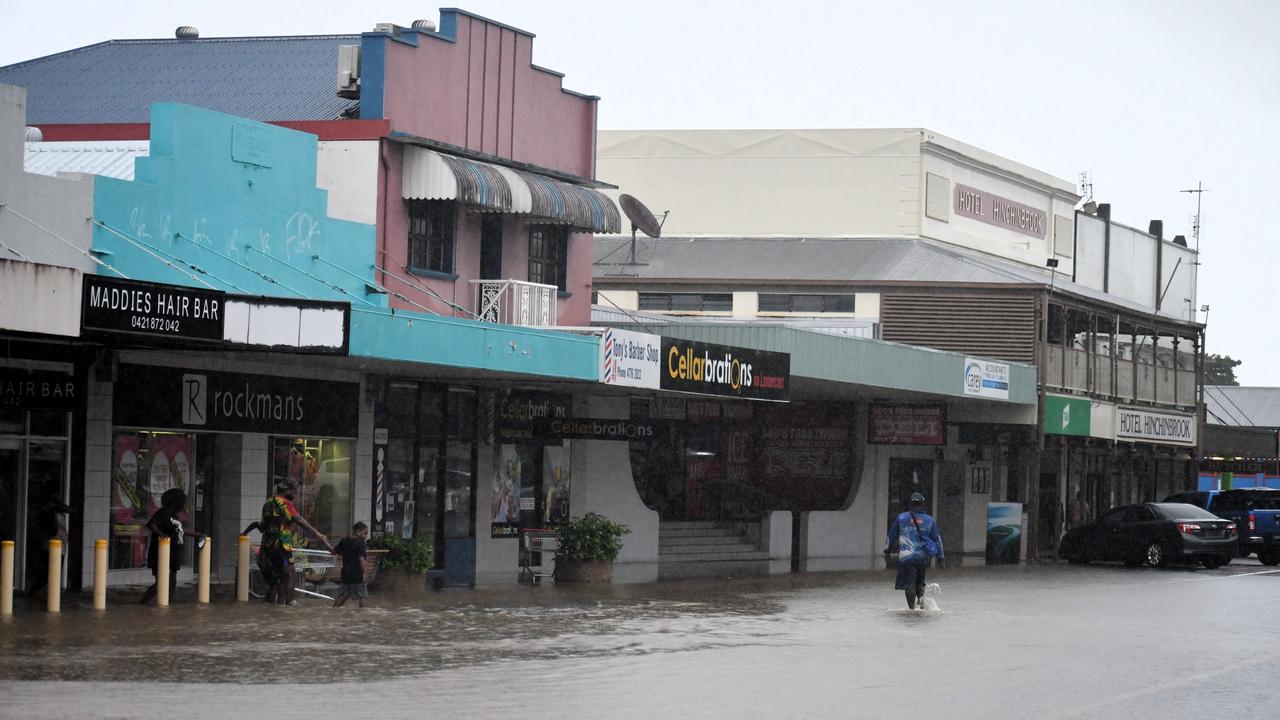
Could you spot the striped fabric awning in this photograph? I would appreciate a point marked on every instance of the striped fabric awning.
(431, 175)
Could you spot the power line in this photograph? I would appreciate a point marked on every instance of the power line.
(62, 240)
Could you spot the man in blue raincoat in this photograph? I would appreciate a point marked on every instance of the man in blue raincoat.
(915, 535)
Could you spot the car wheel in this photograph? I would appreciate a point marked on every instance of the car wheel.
(1269, 557)
(1215, 562)
(1156, 556)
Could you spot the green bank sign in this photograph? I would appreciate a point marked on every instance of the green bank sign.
(1066, 416)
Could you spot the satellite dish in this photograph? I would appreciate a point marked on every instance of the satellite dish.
(641, 219)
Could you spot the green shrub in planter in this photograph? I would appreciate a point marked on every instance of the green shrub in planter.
(590, 537)
(413, 556)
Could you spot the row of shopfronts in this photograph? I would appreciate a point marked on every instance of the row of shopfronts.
(109, 421)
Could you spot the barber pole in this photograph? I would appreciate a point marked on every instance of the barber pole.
(380, 485)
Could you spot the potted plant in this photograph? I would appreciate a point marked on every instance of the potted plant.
(587, 548)
(403, 564)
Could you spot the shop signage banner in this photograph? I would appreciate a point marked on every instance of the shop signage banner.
(178, 398)
(897, 424)
(39, 390)
(984, 378)
(114, 305)
(1144, 425)
(706, 369)
(1001, 212)
(525, 416)
(1005, 537)
(630, 358)
(598, 429)
(1066, 416)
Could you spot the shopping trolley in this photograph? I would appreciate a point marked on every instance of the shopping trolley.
(537, 554)
(311, 566)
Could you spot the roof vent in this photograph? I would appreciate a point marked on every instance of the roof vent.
(186, 32)
(424, 25)
(34, 134)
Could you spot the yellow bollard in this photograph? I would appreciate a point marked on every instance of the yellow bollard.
(99, 574)
(54, 603)
(242, 570)
(162, 574)
(202, 589)
(6, 578)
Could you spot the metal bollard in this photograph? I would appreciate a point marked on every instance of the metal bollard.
(242, 570)
(54, 603)
(6, 578)
(99, 574)
(162, 574)
(202, 588)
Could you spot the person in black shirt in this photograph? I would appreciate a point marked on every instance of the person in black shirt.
(352, 550)
(165, 522)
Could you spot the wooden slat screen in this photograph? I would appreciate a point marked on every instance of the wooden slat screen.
(998, 326)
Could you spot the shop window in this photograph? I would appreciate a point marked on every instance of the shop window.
(323, 469)
(805, 303)
(144, 466)
(548, 255)
(687, 302)
(432, 224)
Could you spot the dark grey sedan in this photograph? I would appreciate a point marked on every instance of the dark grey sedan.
(1153, 534)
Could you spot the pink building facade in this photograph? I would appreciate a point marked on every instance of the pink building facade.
(486, 174)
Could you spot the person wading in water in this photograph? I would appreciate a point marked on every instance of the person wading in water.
(914, 534)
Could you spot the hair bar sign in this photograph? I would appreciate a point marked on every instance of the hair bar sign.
(1001, 212)
(114, 305)
(163, 398)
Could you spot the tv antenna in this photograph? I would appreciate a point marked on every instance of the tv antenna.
(1199, 192)
(642, 220)
(1086, 188)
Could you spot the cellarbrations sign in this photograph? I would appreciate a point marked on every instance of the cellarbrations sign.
(706, 369)
(112, 305)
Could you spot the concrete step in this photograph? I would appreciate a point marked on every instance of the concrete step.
(689, 524)
(673, 571)
(745, 553)
(697, 532)
(668, 540)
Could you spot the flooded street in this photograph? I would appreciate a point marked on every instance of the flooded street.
(1050, 642)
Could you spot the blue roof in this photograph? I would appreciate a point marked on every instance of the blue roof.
(262, 78)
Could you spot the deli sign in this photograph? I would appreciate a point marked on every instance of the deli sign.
(1143, 425)
(706, 369)
(113, 305)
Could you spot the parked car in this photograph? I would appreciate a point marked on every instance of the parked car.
(1256, 512)
(1154, 534)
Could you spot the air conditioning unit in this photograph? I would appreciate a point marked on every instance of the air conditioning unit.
(388, 28)
(349, 71)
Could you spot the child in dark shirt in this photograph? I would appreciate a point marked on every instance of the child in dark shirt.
(352, 550)
(165, 522)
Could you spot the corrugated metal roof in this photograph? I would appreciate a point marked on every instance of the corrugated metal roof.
(1242, 406)
(865, 260)
(262, 78)
(110, 159)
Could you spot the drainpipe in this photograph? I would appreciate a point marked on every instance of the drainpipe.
(380, 255)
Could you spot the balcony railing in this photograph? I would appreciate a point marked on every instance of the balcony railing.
(1068, 369)
(515, 302)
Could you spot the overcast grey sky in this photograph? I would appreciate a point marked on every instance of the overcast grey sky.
(1148, 97)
